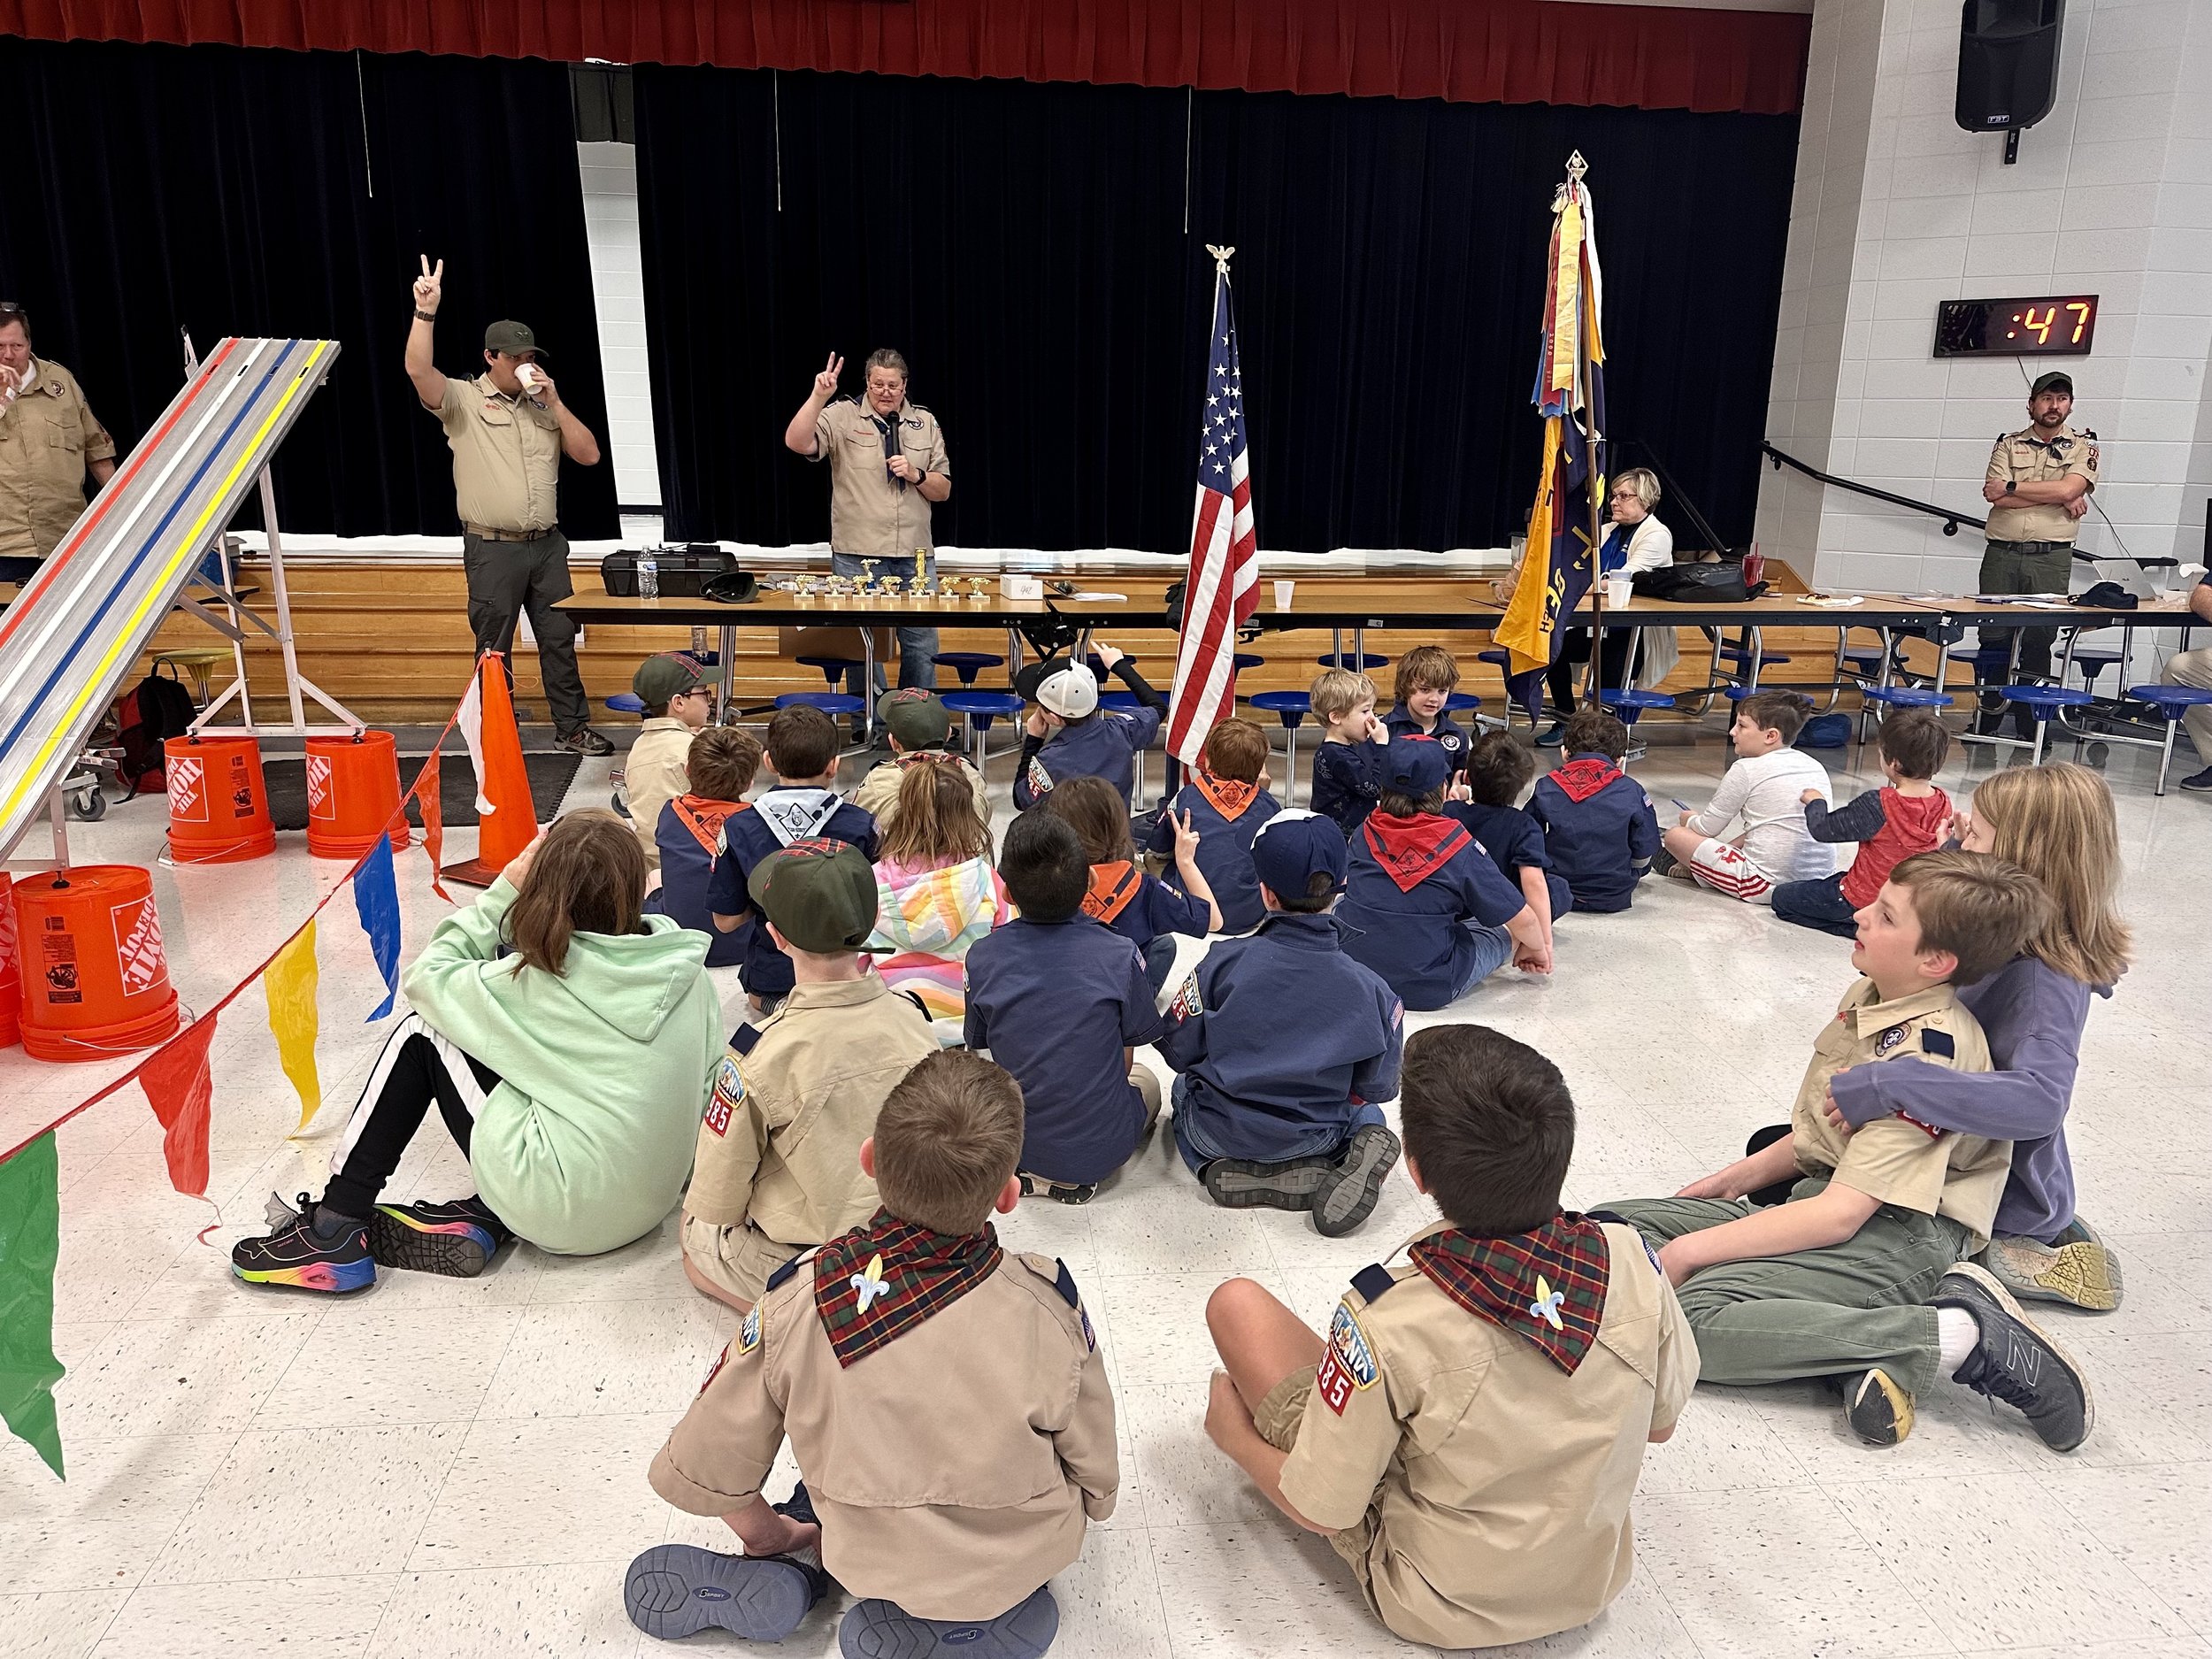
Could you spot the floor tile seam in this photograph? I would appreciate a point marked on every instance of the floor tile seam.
(2054, 1494)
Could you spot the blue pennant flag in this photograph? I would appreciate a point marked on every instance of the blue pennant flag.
(376, 899)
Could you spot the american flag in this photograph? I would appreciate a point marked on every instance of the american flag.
(1224, 580)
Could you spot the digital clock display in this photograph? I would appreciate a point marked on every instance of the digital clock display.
(2057, 325)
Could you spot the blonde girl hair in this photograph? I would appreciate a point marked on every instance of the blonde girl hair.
(2056, 823)
(936, 822)
(586, 877)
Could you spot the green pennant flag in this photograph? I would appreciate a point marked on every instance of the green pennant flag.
(30, 1242)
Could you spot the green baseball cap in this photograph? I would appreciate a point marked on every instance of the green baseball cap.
(2056, 380)
(821, 895)
(670, 674)
(916, 718)
(511, 337)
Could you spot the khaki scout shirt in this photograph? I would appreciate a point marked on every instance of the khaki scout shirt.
(879, 792)
(870, 516)
(654, 774)
(48, 436)
(2026, 458)
(1494, 1488)
(952, 1469)
(780, 1142)
(1894, 1159)
(506, 456)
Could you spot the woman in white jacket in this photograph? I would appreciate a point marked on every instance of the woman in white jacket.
(1638, 541)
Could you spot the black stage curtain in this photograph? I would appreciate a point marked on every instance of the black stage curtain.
(229, 191)
(1024, 246)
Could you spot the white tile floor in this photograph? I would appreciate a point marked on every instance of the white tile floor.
(442, 1467)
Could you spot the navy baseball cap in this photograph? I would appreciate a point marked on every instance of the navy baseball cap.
(1415, 765)
(1294, 847)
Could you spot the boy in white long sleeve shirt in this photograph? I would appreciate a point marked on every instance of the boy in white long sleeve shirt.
(1764, 791)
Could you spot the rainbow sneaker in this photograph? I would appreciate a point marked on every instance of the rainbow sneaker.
(457, 1238)
(296, 1254)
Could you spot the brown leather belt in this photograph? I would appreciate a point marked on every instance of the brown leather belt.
(484, 535)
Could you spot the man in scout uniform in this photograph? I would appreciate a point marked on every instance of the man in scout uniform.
(508, 429)
(777, 1168)
(48, 441)
(887, 468)
(1469, 1435)
(1830, 1282)
(945, 1398)
(2038, 489)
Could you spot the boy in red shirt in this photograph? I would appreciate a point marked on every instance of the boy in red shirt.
(1890, 824)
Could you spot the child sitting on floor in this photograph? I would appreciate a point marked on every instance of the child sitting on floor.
(1067, 735)
(1285, 1046)
(936, 890)
(1890, 824)
(678, 702)
(917, 725)
(803, 753)
(1426, 675)
(719, 768)
(1599, 828)
(1129, 899)
(1226, 802)
(775, 1173)
(1861, 1275)
(1062, 1002)
(1480, 1494)
(1498, 769)
(946, 1398)
(1765, 790)
(1347, 766)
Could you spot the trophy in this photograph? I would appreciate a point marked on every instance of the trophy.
(892, 585)
(920, 582)
(867, 573)
(981, 586)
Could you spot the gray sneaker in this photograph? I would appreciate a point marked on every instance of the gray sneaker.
(583, 740)
(2081, 1269)
(1348, 1195)
(2015, 1361)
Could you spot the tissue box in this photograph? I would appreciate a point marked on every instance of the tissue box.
(1012, 587)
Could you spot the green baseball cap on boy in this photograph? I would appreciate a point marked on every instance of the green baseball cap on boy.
(916, 718)
(821, 895)
(670, 674)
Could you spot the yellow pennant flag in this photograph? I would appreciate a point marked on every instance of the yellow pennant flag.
(289, 985)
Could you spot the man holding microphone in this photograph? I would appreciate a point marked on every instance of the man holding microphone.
(888, 466)
(508, 430)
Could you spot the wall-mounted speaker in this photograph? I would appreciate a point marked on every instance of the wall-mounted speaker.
(2007, 63)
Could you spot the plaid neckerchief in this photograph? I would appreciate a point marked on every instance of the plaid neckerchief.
(1228, 796)
(873, 1285)
(1548, 1286)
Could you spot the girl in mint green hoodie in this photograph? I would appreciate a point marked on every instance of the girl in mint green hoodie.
(566, 1040)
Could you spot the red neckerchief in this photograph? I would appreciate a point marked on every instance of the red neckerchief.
(873, 1285)
(1548, 1286)
(1226, 795)
(1112, 887)
(1582, 779)
(1412, 849)
(704, 818)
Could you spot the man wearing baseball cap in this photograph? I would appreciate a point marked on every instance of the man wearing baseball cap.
(678, 704)
(2038, 489)
(508, 429)
(1283, 1045)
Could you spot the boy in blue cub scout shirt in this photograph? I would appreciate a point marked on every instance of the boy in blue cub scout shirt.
(1226, 802)
(1498, 769)
(1348, 765)
(1424, 684)
(1062, 1001)
(803, 754)
(1428, 910)
(1067, 735)
(1597, 821)
(1284, 1045)
(719, 768)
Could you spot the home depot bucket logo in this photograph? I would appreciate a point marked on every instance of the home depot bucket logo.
(7, 936)
(138, 953)
(187, 791)
(321, 801)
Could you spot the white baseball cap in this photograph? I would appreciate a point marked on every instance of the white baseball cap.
(1071, 692)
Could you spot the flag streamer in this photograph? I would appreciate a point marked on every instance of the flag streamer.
(30, 1244)
(179, 1087)
(376, 902)
(289, 983)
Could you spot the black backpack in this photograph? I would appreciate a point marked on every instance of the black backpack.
(159, 710)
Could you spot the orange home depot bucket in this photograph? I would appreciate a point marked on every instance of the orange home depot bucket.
(10, 979)
(96, 981)
(352, 795)
(219, 807)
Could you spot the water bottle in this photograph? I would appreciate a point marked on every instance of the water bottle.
(648, 576)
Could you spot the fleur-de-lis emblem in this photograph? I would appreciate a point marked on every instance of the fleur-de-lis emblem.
(868, 1283)
(1546, 1305)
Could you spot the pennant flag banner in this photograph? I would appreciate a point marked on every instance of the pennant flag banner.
(433, 816)
(30, 1244)
(179, 1087)
(376, 900)
(289, 983)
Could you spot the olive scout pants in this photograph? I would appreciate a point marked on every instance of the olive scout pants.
(1817, 1313)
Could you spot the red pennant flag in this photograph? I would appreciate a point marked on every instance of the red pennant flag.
(179, 1087)
(432, 821)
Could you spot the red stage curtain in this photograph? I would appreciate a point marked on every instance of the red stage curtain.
(1476, 51)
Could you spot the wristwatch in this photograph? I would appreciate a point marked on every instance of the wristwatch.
(422, 316)
(2009, 487)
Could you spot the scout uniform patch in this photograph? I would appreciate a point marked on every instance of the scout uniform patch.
(1889, 1040)
(1189, 1005)
(1039, 780)
(1349, 1367)
(728, 1093)
(748, 1333)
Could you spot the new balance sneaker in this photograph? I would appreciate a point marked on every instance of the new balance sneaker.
(1248, 1183)
(1355, 1182)
(457, 1238)
(678, 1590)
(1876, 1406)
(2017, 1362)
(877, 1629)
(332, 1256)
(2081, 1269)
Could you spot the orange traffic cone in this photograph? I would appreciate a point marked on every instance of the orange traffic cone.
(507, 819)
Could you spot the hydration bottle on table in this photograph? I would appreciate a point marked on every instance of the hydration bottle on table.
(648, 576)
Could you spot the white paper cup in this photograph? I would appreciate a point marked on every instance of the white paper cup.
(1618, 591)
(1283, 591)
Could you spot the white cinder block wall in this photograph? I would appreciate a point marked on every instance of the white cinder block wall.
(1895, 209)
(618, 280)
